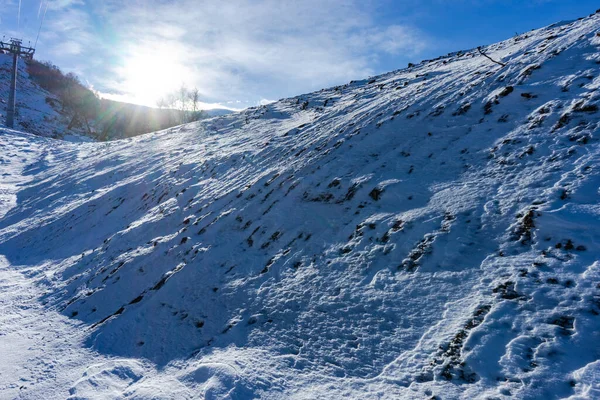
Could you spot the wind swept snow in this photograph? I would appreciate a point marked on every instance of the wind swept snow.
(428, 233)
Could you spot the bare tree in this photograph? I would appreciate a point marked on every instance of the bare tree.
(182, 102)
(194, 96)
(171, 100)
(161, 103)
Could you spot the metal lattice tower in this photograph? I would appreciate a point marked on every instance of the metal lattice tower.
(15, 47)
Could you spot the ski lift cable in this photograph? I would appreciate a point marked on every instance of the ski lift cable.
(19, 18)
(41, 24)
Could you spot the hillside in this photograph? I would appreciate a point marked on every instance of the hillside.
(38, 111)
(41, 109)
(428, 233)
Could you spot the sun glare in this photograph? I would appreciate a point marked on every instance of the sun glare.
(149, 74)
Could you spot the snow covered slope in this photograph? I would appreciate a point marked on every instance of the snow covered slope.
(428, 233)
(37, 109)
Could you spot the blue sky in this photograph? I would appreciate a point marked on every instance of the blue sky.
(244, 53)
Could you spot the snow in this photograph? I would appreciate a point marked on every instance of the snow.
(428, 233)
(37, 109)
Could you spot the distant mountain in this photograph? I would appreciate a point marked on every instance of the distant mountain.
(218, 112)
(430, 233)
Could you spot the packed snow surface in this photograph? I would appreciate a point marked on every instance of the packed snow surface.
(429, 233)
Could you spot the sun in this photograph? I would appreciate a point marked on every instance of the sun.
(151, 73)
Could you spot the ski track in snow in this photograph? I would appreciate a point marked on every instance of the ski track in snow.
(428, 233)
(38, 346)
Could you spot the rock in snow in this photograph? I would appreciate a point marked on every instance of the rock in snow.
(429, 233)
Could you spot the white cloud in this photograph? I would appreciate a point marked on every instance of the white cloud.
(234, 50)
(62, 4)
